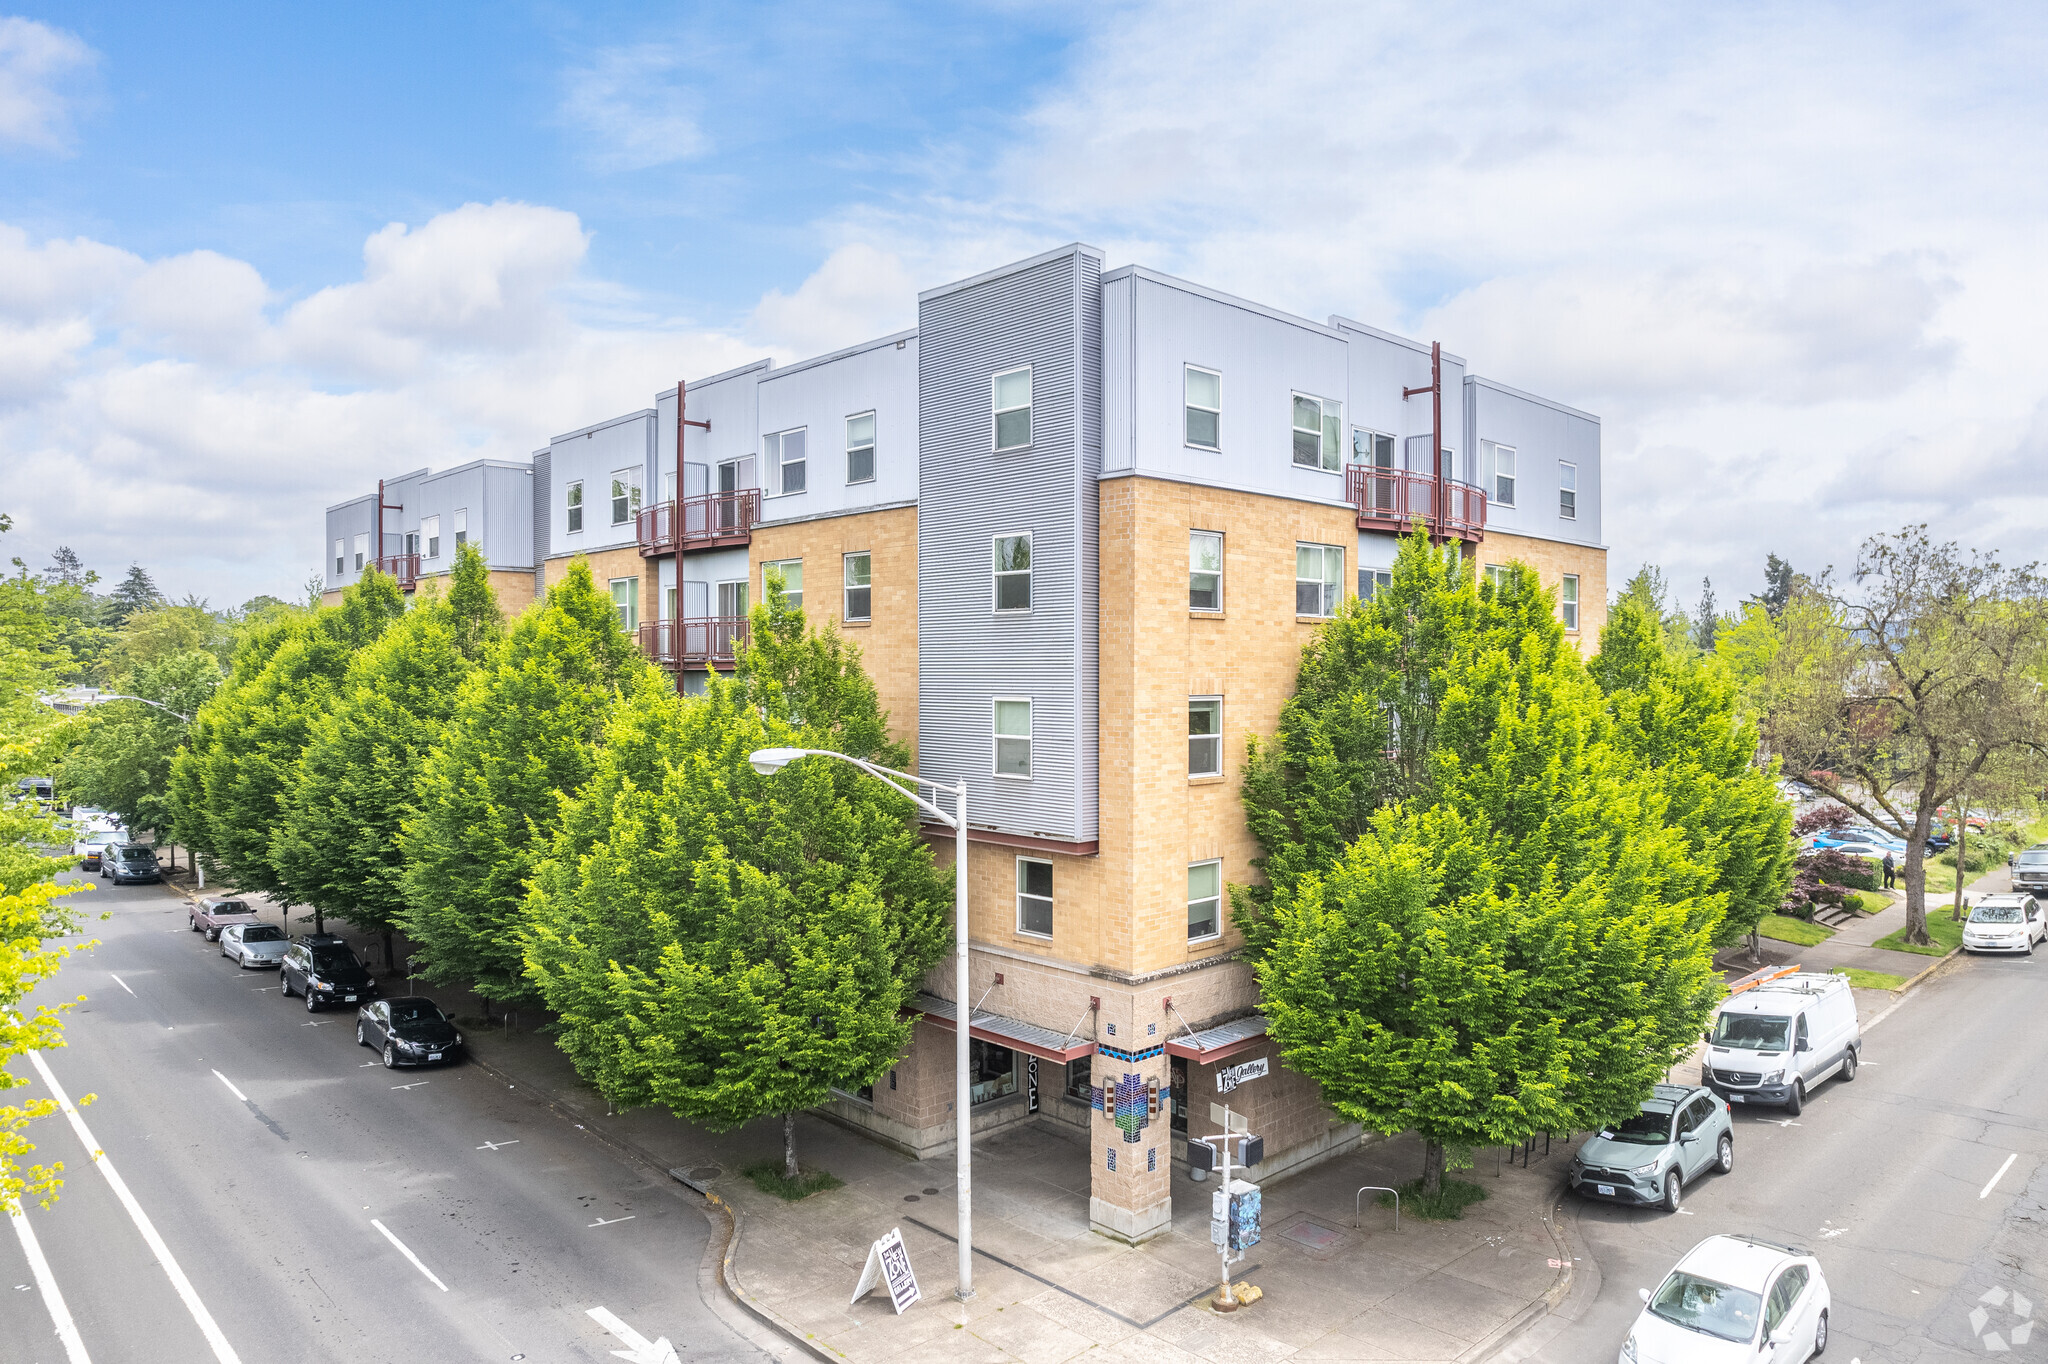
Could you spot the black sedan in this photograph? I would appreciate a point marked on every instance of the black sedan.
(408, 1031)
(124, 863)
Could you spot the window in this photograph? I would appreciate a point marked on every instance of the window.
(1567, 491)
(1205, 571)
(1013, 572)
(461, 527)
(1013, 737)
(1371, 580)
(991, 1071)
(1318, 569)
(1318, 425)
(859, 600)
(1205, 900)
(1204, 396)
(782, 456)
(409, 543)
(1205, 736)
(340, 557)
(792, 571)
(626, 598)
(1568, 600)
(575, 506)
(1034, 897)
(1503, 489)
(732, 600)
(1011, 396)
(430, 528)
(1372, 449)
(362, 550)
(1080, 1078)
(1784, 1293)
(625, 496)
(668, 485)
(1498, 576)
(860, 448)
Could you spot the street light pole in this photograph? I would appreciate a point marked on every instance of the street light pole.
(767, 761)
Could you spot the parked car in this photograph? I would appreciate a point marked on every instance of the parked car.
(211, 916)
(321, 967)
(253, 944)
(1681, 1132)
(2004, 923)
(129, 862)
(408, 1031)
(1773, 1044)
(1858, 848)
(1734, 1298)
(1863, 834)
(2030, 869)
(88, 846)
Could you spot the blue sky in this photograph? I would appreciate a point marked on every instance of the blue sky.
(252, 258)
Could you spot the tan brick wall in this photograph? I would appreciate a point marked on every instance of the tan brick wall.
(514, 588)
(888, 641)
(1552, 560)
(331, 598)
(607, 564)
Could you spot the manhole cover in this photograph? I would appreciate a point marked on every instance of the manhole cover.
(910, 1198)
(931, 1190)
(704, 1174)
(1313, 1235)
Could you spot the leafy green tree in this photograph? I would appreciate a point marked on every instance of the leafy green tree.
(136, 592)
(729, 945)
(122, 755)
(521, 738)
(155, 634)
(1707, 621)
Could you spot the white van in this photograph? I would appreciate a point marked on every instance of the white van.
(1774, 1043)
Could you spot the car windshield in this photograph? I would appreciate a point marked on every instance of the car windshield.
(262, 933)
(415, 1011)
(2034, 859)
(1712, 1308)
(333, 958)
(229, 907)
(1995, 914)
(1644, 1129)
(1751, 1032)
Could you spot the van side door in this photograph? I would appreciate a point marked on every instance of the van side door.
(1805, 1061)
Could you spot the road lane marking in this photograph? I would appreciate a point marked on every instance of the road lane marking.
(316, 1023)
(639, 1349)
(222, 1351)
(60, 1315)
(498, 1145)
(1986, 1190)
(120, 982)
(414, 1085)
(406, 1251)
(601, 1222)
(231, 1086)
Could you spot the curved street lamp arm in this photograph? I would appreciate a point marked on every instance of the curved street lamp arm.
(885, 774)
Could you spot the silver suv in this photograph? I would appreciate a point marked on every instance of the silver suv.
(2030, 870)
(1680, 1133)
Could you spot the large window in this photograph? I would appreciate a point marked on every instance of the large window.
(1568, 600)
(340, 557)
(792, 571)
(362, 551)
(1011, 397)
(1205, 900)
(461, 527)
(1205, 736)
(626, 599)
(859, 594)
(860, 448)
(1080, 1078)
(1034, 896)
(1205, 571)
(1013, 737)
(1204, 399)
(1499, 576)
(625, 495)
(732, 598)
(1318, 572)
(1371, 580)
(573, 501)
(430, 531)
(991, 1071)
(1013, 572)
(1567, 491)
(1318, 432)
(1502, 476)
(784, 460)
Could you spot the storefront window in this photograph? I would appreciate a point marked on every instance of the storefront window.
(991, 1071)
(1080, 1078)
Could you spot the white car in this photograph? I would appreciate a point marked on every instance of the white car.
(1736, 1299)
(253, 944)
(89, 844)
(2004, 923)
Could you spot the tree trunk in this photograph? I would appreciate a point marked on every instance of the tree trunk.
(319, 921)
(1962, 856)
(789, 1146)
(1916, 869)
(1432, 1168)
(390, 954)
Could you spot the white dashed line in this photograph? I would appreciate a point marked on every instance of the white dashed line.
(120, 982)
(60, 1315)
(231, 1086)
(407, 1253)
(1986, 1190)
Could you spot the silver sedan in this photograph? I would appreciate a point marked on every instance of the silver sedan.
(253, 944)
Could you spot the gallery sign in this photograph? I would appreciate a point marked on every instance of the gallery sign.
(1230, 1077)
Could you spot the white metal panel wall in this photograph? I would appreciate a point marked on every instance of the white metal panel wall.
(819, 395)
(730, 402)
(1542, 433)
(591, 455)
(345, 522)
(504, 528)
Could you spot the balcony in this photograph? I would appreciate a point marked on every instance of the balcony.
(698, 642)
(404, 567)
(1394, 499)
(710, 522)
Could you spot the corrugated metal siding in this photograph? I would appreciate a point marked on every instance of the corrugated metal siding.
(1119, 374)
(1047, 316)
(543, 504)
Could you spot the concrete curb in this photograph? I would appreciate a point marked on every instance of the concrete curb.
(1912, 984)
(1497, 1341)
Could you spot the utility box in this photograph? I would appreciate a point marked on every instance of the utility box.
(1234, 1216)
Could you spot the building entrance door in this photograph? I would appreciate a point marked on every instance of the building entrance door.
(1177, 1087)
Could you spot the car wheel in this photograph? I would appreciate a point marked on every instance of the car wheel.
(1796, 1100)
(223, 949)
(1724, 1154)
(312, 1004)
(1820, 1336)
(1673, 1190)
(361, 1040)
(193, 924)
(1849, 1065)
(390, 1057)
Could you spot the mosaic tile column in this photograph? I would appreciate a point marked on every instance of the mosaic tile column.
(1130, 1143)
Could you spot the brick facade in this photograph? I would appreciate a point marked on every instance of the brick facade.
(1552, 559)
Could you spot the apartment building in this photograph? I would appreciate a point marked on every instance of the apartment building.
(1081, 523)
(411, 526)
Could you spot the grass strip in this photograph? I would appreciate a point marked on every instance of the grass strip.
(769, 1178)
(1800, 932)
(1946, 932)
(1870, 980)
(1447, 1204)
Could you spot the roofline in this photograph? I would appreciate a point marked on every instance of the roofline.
(842, 353)
(1013, 268)
(1498, 387)
(717, 378)
(1218, 296)
(642, 415)
(1338, 322)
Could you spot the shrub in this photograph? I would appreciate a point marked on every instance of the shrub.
(1821, 819)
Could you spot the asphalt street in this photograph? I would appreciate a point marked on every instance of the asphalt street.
(1920, 1186)
(315, 1205)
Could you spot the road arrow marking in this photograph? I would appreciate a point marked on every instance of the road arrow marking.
(600, 1222)
(498, 1145)
(639, 1350)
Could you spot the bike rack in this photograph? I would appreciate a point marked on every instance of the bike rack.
(1358, 1204)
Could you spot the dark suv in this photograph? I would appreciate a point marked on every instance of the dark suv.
(321, 967)
(126, 862)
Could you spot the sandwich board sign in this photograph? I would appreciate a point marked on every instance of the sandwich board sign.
(888, 1262)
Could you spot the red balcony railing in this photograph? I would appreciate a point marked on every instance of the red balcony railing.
(1394, 499)
(404, 567)
(702, 523)
(694, 642)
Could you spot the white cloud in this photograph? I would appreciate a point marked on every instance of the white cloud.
(36, 63)
(203, 305)
(858, 293)
(630, 110)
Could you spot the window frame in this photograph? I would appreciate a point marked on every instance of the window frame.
(624, 490)
(1378, 578)
(460, 516)
(997, 413)
(1497, 574)
(629, 620)
(1213, 738)
(1216, 931)
(866, 586)
(340, 555)
(1335, 585)
(1189, 407)
(1022, 895)
(997, 737)
(1495, 476)
(852, 449)
(780, 465)
(1193, 572)
(1567, 490)
(362, 550)
(1329, 457)
(997, 574)
(783, 564)
(572, 506)
(430, 533)
(1568, 602)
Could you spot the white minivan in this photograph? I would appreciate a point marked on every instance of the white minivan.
(1774, 1043)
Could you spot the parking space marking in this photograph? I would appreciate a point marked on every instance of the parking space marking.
(498, 1145)
(414, 1085)
(60, 1315)
(1993, 1183)
(406, 1251)
(120, 982)
(601, 1222)
(231, 1086)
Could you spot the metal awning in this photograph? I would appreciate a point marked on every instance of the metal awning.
(1014, 1033)
(1225, 1039)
